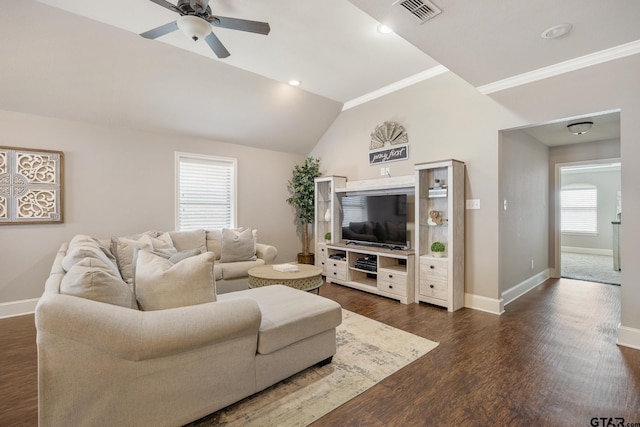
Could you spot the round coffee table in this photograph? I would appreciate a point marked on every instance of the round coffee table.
(307, 278)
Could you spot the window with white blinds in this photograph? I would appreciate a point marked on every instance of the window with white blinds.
(206, 192)
(579, 209)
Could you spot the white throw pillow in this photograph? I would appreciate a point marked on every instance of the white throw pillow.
(160, 284)
(124, 250)
(92, 279)
(238, 245)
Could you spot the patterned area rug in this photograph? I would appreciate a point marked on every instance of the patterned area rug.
(367, 352)
(592, 268)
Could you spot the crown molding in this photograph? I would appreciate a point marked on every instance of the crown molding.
(416, 78)
(606, 55)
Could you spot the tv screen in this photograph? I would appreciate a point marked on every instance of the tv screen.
(379, 220)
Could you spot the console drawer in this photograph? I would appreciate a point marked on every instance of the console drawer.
(392, 281)
(434, 267)
(336, 269)
(433, 287)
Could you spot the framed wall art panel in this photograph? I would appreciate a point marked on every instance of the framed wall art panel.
(31, 186)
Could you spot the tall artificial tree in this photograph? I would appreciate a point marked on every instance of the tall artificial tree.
(301, 188)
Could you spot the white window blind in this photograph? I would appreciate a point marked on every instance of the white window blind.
(205, 192)
(579, 209)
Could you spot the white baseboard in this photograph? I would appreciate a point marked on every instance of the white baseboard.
(590, 251)
(18, 308)
(523, 287)
(629, 337)
(477, 302)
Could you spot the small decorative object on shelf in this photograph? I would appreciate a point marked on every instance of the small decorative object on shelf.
(436, 183)
(327, 237)
(327, 215)
(435, 218)
(438, 249)
(438, 192)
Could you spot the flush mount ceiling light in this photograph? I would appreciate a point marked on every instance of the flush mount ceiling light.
(195, 28)
(556, 31)
(578, 128)
(294, 82)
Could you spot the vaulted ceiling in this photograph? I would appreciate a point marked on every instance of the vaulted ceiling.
(84, 60)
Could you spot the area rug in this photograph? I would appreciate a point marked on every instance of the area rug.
(591, 268)
(367, 352)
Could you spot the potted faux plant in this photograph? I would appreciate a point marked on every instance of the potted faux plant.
(437, 248)
(327, 237)
(301, 188)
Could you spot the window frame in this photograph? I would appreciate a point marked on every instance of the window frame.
(233, 163)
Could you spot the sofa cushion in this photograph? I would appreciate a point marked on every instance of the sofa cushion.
(93, 279)
(289, 315)
(238, 245)
(161, 284)
(123, 249)
(83, 246)
(236, 270)
(185, 240)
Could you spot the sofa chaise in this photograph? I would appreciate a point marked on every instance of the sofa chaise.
(167, 349)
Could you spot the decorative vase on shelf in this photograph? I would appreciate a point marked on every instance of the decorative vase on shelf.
(327, 215)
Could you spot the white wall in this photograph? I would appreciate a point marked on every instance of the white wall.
(446, 118)
(120, 181)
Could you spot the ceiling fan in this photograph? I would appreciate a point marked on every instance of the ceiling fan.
(195, 21)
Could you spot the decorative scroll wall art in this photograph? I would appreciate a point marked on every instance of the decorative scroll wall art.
(388, 134)
(31, 187)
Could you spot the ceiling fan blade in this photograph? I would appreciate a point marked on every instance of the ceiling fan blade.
(160, 31)
(240, 24)
(170, 6)
(216, 46)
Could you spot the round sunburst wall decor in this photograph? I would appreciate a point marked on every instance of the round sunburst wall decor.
(392, 133)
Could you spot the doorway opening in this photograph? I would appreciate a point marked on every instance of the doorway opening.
(590, 210)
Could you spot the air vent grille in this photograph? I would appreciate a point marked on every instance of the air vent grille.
(421, 9)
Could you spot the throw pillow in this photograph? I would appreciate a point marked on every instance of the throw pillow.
(238, 245)
(184, 240)
(92, 279)
(123, 248)
(161, 284)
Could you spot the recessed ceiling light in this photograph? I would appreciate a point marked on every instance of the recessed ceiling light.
(294, 82)
(383, 29)
(556, 31)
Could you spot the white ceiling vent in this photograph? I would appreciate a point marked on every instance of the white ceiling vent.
(423, 10)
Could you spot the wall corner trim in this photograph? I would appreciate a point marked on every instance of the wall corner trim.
(628, 337)
(478, 302)
(18, 308)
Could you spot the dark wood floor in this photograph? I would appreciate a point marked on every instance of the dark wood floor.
(550, 359)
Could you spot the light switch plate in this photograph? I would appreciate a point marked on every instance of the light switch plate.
(473, 204)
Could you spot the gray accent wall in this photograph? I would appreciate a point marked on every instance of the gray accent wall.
(119, 182)
(524, 213)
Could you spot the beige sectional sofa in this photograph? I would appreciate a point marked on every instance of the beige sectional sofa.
(166, 349)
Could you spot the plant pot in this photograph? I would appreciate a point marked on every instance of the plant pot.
(306, 258)
(438, 254)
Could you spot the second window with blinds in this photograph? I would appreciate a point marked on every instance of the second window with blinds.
(205, 192)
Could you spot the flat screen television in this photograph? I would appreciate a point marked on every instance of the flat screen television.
(375, 220)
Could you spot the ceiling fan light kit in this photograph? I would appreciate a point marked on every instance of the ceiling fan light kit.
(195, 22)
(193, 27)
(580, 128)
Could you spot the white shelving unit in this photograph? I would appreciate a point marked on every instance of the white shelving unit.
(327, 214)
(440, 217)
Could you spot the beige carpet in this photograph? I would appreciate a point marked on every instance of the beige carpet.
(368, 351)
